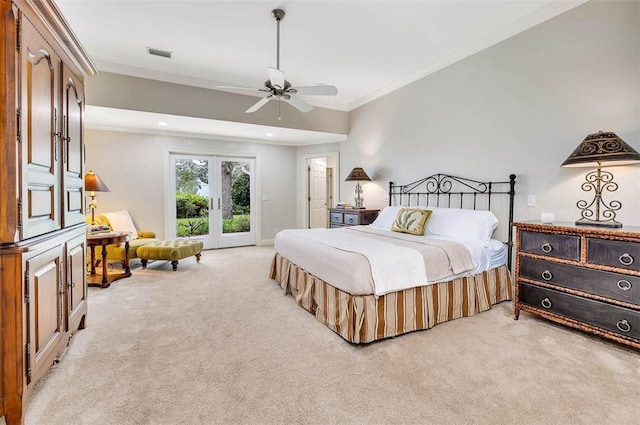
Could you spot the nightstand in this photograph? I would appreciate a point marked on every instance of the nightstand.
(341, 217)
(580, 276)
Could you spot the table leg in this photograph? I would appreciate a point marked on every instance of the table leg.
(105, 281)
(93, 259)
(126, 257)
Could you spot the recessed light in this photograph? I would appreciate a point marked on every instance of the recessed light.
(269, 134)
(162, 124)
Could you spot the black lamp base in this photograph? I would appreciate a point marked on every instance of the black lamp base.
(609, 224)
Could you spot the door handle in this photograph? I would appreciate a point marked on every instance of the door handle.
(219, 203)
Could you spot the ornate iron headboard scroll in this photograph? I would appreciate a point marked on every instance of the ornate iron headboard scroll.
(442, 190)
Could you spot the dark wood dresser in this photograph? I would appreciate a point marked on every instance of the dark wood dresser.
(580, 276)
(340, 217)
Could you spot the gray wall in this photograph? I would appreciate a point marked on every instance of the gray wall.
(521, 106)
(133, 167)
(142, 94)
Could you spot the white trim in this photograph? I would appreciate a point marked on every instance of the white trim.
(302, 185)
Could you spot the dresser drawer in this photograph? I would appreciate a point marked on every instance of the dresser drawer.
(558, 246)
(620, 320)
(621, 254)
(611, 285)
(350, 218)
(336, 217)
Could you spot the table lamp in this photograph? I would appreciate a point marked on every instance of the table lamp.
(600, 150)
(93, 184)
(358, 175)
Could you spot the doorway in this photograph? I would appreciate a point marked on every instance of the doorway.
(212, 199)
(320, 188)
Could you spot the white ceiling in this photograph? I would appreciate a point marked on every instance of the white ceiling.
(365, 48)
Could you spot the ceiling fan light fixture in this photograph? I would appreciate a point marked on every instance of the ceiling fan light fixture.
(280, 89)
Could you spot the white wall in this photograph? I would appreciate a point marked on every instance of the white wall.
(132, 166)
(521, 107)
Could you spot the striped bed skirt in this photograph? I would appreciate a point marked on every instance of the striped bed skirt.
(365, 318)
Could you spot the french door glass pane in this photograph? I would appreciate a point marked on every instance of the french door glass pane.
(192, 197)
(236, 195)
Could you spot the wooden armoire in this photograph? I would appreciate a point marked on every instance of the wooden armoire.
(42, 229)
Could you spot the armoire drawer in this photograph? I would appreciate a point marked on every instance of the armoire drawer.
(620, 320)
(616, 286)
(620, 254)
(550, 245)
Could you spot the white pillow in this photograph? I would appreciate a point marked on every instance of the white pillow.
(461, 224)
(386, 217)
(121, 221)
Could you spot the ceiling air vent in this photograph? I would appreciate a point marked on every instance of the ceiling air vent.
(158, 52)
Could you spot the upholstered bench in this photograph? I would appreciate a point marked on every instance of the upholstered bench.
(171, 250)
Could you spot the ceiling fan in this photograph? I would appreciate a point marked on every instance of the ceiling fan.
(277, 88)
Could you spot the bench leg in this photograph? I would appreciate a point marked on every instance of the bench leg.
(144, 263)
(198, 257)
(174, 263)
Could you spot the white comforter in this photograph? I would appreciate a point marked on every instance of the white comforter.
(363, 260)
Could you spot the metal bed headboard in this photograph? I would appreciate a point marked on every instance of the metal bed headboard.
(443, 190)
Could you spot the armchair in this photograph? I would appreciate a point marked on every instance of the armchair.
(121, 221)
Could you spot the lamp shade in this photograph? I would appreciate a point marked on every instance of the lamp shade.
(93, 183)
(357, 174)
(603, 148)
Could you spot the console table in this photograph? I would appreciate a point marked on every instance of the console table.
(104, 239)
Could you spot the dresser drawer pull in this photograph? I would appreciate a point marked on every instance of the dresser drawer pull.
(626, 259)
(546, 247)
(623, 326)
(546, 303)
(625, 285)
(546, 275)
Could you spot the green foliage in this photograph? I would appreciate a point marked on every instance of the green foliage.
(239, 223)
(240, 193)
(189, 205)
(191, 174)
(192, 226)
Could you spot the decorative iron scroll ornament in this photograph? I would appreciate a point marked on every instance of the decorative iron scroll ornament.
(600, 149)
(358, 175)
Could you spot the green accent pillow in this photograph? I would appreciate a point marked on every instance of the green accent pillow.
(411, 220)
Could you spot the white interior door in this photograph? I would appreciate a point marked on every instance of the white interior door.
(317, 192)
(213, 199)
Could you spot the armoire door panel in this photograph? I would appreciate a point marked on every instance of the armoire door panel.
(44, 310)
(39, 96)
(73, 148)
(76, 282)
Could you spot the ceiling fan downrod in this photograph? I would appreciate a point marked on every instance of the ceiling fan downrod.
(279, 15)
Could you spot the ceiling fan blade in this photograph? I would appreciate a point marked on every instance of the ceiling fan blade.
(316, 90)
(259, 104)
(261, 91)
(298, 103)
(276, 77)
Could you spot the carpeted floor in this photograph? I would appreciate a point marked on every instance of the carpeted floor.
(218, 343)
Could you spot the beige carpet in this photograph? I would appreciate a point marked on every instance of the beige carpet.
(218, 343)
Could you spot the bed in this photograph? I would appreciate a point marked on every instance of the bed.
(368, 283)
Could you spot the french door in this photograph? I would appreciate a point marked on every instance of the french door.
(212, 199)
